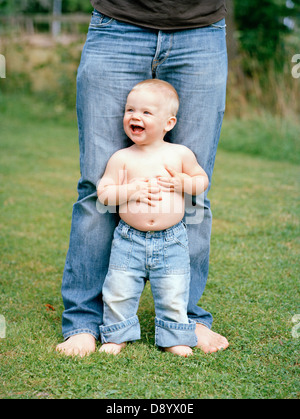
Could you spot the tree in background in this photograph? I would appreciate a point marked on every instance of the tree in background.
(25, 6)
(262, 28)
(43, 6)
(72, 6)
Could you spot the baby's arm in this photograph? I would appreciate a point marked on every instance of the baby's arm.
(110, 188)
(114, 189)
(193, 180)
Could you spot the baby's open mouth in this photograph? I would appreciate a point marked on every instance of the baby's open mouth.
(136, 128)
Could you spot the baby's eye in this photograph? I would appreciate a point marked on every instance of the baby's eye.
(147, 113)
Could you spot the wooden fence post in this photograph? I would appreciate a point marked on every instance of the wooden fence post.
(56, 24)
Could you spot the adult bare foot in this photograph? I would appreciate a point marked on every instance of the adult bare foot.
(208, 340)
(180, 350)
(112, 348)
(82, 344)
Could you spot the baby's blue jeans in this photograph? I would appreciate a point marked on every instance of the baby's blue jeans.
(163, 258)
(115, 57)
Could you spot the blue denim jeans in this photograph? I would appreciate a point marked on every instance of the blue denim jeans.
(115, 57)
(163, 258)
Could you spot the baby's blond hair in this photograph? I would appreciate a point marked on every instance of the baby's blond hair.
(165, 89)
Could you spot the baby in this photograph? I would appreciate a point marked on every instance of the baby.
(147, 181)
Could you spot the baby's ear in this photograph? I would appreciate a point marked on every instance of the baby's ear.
(171, 123)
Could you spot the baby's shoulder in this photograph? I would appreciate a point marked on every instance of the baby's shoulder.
(120, 155)
(180, 149)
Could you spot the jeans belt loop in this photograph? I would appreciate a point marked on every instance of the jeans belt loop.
(125, 230)
(169, 235)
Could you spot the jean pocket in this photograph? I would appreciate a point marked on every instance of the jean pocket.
(182, 242)
(98, 20)
(121, 249)
(181, 238)
(176, 256)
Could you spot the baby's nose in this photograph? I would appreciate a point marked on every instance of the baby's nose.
(136, 115)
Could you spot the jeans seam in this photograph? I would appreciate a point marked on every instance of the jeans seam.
(172, 325)
(115, 332)
(181, 333)
(115, 327)
(157, 62)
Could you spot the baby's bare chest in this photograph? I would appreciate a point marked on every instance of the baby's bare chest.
(150, 167)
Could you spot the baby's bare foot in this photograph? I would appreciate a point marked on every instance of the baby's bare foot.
(208, 340)
(112, 348)
(180, 350)
(81, 344)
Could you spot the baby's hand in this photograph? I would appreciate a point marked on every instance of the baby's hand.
(174, 183)
(143, 191)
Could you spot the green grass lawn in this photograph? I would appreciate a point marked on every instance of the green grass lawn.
(252, 291)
